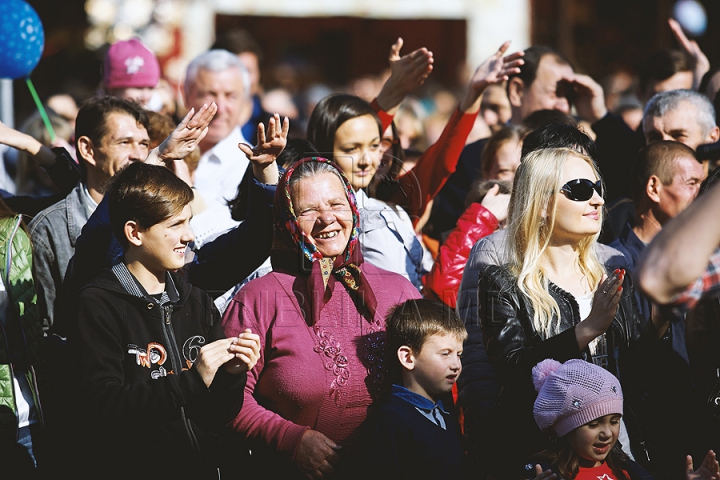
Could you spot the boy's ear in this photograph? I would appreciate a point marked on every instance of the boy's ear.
(132, 233)
(405, 355)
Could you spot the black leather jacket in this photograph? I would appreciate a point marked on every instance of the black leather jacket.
(514, 347)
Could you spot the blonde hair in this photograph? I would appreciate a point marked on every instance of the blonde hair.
(531, 221)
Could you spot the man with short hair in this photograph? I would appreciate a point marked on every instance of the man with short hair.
(219, 76)
(110, 133)
(665, 70)
(683, 116)
(665, 179)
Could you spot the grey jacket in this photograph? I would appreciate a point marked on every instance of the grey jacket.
(53, 232)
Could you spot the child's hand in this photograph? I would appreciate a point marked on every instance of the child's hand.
(709, 470)
(245, 349)
(546, 475)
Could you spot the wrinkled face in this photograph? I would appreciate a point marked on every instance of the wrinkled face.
(679, 125)
(575, 220)
(323, 212)
(226, 89)
(593, 441)
(438, 365)
(164, 244)
(140, 95)
(677, 196)
(125, 141)
(506, 161)
(547, 91)
(357, 149)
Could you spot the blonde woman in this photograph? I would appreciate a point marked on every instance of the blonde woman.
(553, 299)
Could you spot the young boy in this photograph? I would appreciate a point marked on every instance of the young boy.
(159, 380)
(414, 436)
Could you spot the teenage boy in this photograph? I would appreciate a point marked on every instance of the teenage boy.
(158, 378)
(414, 435)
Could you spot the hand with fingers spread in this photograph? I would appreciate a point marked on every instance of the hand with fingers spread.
(407, 73)
(544, 475)
(264, 155)
(188, 134)
(246, 349)
(709, 470)
(702, 64)
(605, 303)
(316, 455)
(492, 71)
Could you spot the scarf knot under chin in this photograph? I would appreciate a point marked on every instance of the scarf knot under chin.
(294, 252)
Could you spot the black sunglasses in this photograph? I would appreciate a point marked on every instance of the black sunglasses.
(581, 189)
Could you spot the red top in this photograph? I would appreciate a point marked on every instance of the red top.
(444, 279)
(602, 472)
(415, 188)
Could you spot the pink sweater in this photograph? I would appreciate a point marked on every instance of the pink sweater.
(311, 376)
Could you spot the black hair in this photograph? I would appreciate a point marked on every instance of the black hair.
(558, 135)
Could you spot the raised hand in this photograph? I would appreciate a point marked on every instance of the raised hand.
(407, 72)
(589, 97)
(605, 303)
(497, 203)
(264, 155)
(546, 475)
(492, 71)
(709, 470)
(702, 64)
(188, 134)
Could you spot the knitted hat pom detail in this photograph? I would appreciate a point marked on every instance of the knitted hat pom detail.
(542, 371)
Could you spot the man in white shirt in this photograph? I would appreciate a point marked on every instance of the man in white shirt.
(219, 76)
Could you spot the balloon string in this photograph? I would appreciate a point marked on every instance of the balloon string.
(41, 109)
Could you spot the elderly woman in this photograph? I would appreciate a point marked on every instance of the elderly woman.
(554, 299)
(320, 316)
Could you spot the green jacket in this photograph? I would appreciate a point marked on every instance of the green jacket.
(16, 273)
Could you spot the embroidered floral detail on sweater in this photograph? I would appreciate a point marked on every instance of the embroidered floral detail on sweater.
(335, 361)
(374, 349)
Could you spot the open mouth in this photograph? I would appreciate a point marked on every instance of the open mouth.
(325, 236)
(601, 449)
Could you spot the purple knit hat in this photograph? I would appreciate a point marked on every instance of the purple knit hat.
(130, 64)
(572, 394)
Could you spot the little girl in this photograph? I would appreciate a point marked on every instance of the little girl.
(581, 404)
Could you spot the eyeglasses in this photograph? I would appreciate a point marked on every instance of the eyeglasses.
(581, 189)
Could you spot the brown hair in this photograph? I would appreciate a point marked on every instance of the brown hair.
(494, 143)
(565, 462)
(656, 159)
(146, 194)
(412, 322)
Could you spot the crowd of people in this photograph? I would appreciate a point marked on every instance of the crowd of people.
(520, 284)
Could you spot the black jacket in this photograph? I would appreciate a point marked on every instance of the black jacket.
(514, 347)
(144, 405)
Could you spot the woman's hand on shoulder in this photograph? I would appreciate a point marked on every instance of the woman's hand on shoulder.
(709, 470)
(316, 455)
(605, 303)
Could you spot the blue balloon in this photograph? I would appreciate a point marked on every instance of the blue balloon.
(22, 39)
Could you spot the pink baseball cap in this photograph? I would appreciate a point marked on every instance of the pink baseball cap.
(130, 64)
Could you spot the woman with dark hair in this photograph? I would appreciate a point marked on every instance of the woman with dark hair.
(20, 350)
(320, 315)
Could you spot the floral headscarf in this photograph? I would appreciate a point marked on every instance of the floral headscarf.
(293, 251)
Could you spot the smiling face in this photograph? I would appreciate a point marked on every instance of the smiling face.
(125, 141)
(164, 244)
(356, 149)
(323, 212)
(593, 441)
(226, 89)
(437, 366)
(575, 220)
